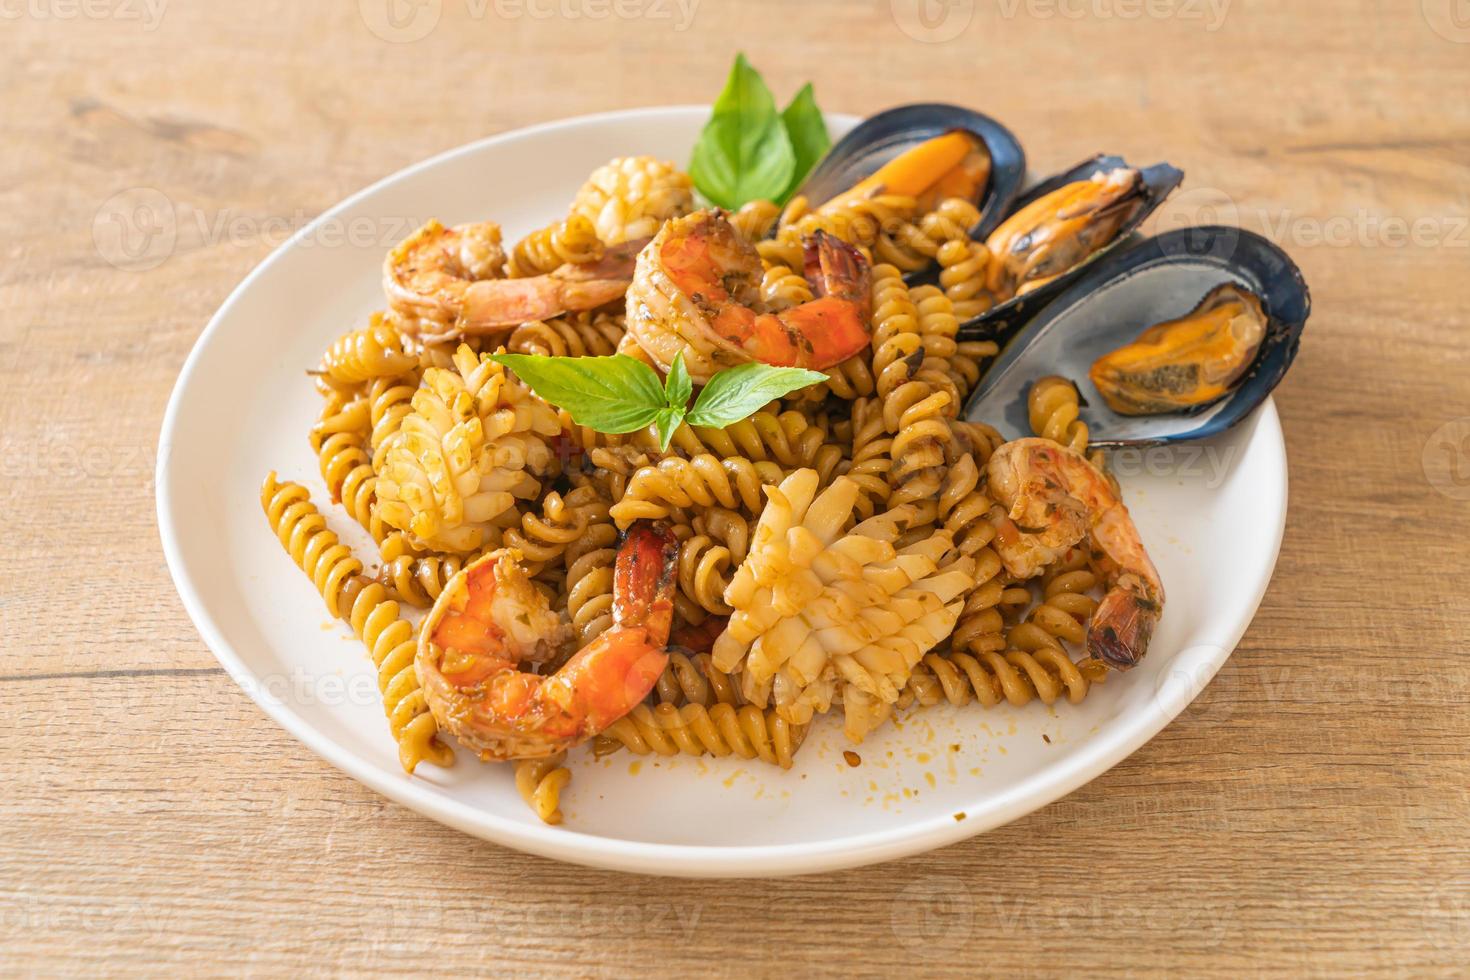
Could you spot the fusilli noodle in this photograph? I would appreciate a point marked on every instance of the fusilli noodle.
(693, 729)
(540, 782)
(571, 241)
(365, 605)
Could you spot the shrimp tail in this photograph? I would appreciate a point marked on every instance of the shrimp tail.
(493, 305)
(834, 267)
(1123, 623)
(643, 590)
(619, 668)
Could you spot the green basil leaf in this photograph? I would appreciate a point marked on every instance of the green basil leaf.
(666, 424)
(678, 386)
(740, 391)
(610, 394)
(743, 153)
(808, 132)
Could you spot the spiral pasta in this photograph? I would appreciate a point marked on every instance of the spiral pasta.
(543, 536)
(719, 730)
(694, 679)
(782, 288)
(392, 641)
(589, 578)
(594, 334)
(663, 489)
(920, 442)
(851, 379)
(304, 534)
(872, 457)
(962, 262)
(755, 219)
(718, 542)
(790, 439)
(366, 607)
(1055, 410)
(540, 783)
(413, 577)
(990, 677)
(918, 398)
(572, 241)
(390, 399)
(375, 351)
(348, 472)
(1061, 616)
(881, 225)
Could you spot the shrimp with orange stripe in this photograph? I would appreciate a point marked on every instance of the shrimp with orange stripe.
(491, 619)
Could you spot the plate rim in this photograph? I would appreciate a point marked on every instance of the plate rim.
(1103, 750)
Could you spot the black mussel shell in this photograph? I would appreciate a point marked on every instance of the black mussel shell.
(1001, 321)
(880, 138)
(1109, 302)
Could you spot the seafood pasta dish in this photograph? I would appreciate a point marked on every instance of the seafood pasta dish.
(681, 473)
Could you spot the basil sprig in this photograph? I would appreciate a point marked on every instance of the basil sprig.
(748, 151)
(622, 394)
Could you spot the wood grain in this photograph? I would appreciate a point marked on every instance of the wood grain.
(1306, 816)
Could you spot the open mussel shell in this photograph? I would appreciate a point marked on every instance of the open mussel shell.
(1118, 296)
(1002, 320)
(880, 138)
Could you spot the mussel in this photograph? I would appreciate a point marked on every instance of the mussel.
(1059, 228)
(1058, 231)
(1157, 280)
(881, 138)
(1182, 364)
(952, 164)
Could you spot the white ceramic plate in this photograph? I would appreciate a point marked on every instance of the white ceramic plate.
(1211, 515)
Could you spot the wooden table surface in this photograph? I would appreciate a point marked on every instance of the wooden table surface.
(1307, 815)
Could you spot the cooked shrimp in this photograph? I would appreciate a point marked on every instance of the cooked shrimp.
(1055, 498)
(491, 618)
(697, 290)
(450, 279)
